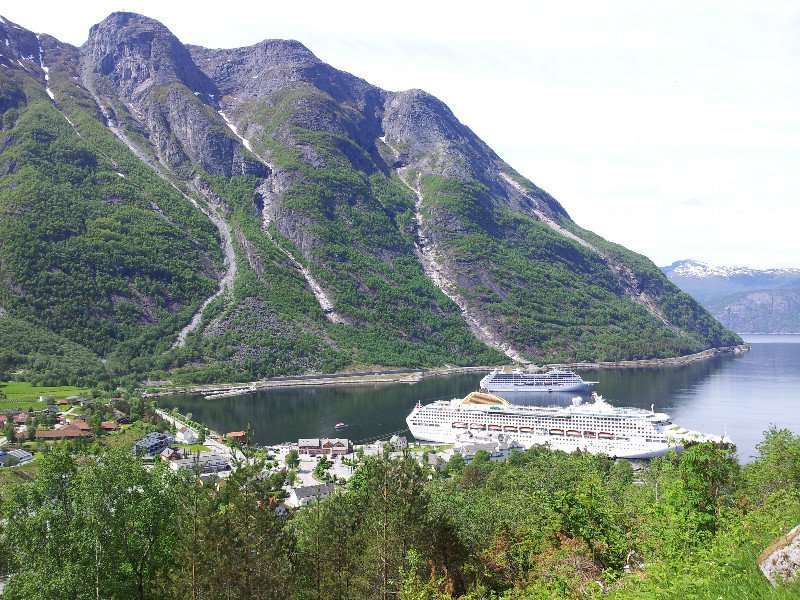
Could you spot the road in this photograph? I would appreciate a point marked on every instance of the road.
(212, 444)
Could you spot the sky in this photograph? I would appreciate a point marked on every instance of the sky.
(670, 127)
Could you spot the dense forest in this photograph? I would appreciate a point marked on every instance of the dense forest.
(540, 525)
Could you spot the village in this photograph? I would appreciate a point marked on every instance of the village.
(314, 466)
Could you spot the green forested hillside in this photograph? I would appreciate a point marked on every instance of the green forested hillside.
(94, 247)
(556, 297)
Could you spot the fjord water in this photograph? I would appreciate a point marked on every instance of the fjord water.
(742, 395)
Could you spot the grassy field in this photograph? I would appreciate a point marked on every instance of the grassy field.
(14, 476)
(24, 395)
(126, 437)
(194, 447)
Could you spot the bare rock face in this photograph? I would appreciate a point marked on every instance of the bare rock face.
(780, 562)
(138, 60)
(18, 46)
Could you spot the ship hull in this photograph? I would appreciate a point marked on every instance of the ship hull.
(565, 444)
(556, 381)
(502, 387)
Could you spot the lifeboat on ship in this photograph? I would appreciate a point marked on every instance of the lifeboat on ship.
(556, 432)
(573, 433)
(604, 435)
(510, 428)
(589, 434)
(495, 428)
(524, 429)
(479, 426)
(459, 425)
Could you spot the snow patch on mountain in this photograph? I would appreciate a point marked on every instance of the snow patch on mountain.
(701, 270)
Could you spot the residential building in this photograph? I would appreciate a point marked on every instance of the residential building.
(236, 436)
(300, 496)
(171, 454)
(204, 463)
(186, 436)
(14, 457)
(70, 431)
(153, 443)
(332, 446)
(398, 442)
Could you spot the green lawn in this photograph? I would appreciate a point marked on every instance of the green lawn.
(194, 447)
(24, 395)
(14, 476)
(429, 447)
(126, 437)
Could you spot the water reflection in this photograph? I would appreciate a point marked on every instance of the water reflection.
(287, 414)
(742, 395)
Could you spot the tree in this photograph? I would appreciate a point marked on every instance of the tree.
(10, 431)
(46, 548)
(292, 459)
(321, 468)
(132, 523)
(248, 555)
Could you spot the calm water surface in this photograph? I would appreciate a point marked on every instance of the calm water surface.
(743, 395)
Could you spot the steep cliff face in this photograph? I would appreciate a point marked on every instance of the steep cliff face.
(147, 78)
(356, 225)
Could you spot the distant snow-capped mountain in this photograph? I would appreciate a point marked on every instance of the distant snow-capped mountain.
(698, 269)
(744, 299)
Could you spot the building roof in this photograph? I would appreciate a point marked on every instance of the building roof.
(170, 453)
(311, 491)
(154, 437)
(109, 425)
(68, 431)
(323, 443)
(235, 435)
(20, 454)
(335, 442)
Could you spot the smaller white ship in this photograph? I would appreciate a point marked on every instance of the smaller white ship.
(517, 380)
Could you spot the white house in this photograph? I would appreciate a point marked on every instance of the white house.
(186, 436)
(300, 496)
(467, 445)
(398, 442)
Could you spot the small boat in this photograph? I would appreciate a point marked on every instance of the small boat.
(340, 426)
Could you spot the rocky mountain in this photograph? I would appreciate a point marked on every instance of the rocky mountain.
(745, 300)
(230, 214)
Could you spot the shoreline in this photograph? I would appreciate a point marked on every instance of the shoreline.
(411, 376)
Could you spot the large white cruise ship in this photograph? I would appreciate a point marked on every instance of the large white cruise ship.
(517, 380)
(595, 427)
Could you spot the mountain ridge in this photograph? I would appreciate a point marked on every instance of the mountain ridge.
(351, 225)
(747, 300)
